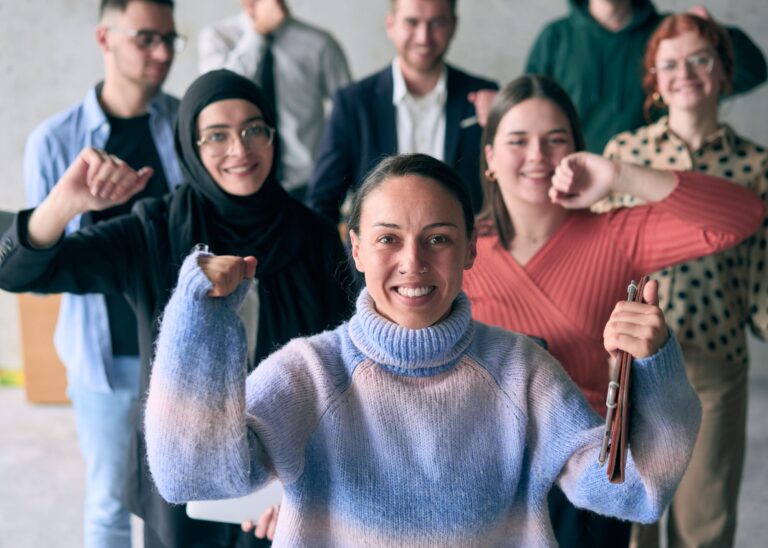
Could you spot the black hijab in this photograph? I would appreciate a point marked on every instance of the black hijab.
(263, 224)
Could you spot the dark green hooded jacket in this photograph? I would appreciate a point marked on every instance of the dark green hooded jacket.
(602, 71)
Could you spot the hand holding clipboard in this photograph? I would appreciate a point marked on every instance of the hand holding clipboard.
(636, 328)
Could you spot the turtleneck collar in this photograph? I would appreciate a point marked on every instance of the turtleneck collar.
(411, 352)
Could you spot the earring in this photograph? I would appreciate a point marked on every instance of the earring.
(658, 100)
(490, 175)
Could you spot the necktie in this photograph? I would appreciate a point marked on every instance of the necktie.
(266, 72)
(266, 75)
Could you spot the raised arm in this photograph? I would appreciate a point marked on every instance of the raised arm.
(94, 181)
(689, 214)
(211, 433)
(566, 436)
(583, 178)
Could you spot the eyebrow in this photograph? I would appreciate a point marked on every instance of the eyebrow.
(220, 126)
(523, 132)
(705, 49)
(438, 224)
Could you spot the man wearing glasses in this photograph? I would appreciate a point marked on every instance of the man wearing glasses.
(129, 118)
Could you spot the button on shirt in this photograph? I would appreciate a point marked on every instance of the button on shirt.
(420, 120)
(708, 302)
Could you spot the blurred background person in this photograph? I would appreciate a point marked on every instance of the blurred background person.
(711, 302)
(298, 66)
(128, 116)
(536, 241)
(418, 103)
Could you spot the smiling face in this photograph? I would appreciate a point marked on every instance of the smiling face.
(125, 61)
(530, 140)
(421, 31)
(242, 169)
(693, 83)
(413, 248)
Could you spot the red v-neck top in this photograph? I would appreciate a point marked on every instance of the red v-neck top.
(567, 290)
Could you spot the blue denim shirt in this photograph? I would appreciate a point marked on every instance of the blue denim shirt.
(82, 337)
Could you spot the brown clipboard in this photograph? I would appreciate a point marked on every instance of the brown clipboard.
(616, 437)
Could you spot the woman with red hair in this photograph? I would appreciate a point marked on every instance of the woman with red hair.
(709, 302)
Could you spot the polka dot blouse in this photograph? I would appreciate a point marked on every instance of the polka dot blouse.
(711, 301)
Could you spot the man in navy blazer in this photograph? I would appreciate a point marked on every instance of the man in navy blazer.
(417, 104)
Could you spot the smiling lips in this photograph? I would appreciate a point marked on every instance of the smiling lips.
(241, 170)
(415, 292)
(538, 175)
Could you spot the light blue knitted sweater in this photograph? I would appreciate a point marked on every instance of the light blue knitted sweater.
(381, 435)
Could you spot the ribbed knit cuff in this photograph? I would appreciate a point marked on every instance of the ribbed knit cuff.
(194, 284)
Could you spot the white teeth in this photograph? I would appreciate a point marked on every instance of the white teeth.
(413, 292)
(238, 169)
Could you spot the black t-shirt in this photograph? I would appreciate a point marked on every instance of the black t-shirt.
(130, 140)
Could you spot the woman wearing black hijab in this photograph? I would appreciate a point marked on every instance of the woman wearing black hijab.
(231, 202)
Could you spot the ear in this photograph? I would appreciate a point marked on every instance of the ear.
(469, 260)
(389, 23)
(488, 151)
(454, 26)
(101, 38)
(355, 242)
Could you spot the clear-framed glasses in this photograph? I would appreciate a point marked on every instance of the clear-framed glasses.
(698, 62)
(147, 39)
(218, 141)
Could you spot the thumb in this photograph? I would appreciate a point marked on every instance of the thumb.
(79, 169)
(250, 263)
(144, 175)
(651, 292)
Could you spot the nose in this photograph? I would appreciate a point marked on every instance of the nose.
(422, 34)
(687, 68)
(162, 52)
(536, 150)
(236, 145)
(412, 259)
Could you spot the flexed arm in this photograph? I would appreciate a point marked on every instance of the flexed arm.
(566, 436)
(582, 179)
(95, 181)
(211, 432)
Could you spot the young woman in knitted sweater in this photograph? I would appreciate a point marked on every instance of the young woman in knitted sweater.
(411, 424)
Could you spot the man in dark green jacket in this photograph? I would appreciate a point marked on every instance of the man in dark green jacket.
(596, 54)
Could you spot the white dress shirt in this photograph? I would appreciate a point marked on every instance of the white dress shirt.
(420, 120)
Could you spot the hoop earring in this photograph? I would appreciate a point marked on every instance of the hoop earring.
(489, 174)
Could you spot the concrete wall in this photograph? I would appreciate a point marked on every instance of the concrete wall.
(48, 58)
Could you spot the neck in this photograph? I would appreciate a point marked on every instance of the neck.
(535, 224)
(613, 15)
(420, 83)
(125, 100)
(693, 126)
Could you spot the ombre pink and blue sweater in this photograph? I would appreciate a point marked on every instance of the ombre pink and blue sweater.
(381, 435)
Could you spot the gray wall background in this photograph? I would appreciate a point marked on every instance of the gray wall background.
(48, 58)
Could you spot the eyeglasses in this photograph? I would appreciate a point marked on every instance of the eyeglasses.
(146, 39)
(698, 62)
(218, 141)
